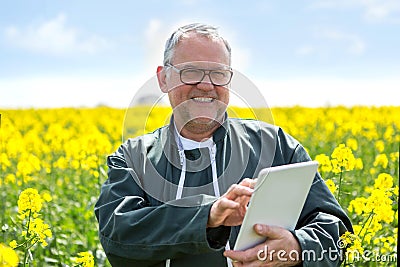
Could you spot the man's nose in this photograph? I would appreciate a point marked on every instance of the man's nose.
(206, 83)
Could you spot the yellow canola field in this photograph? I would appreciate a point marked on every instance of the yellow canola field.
(52, 165)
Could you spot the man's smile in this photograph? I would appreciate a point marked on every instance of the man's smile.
(203, 99)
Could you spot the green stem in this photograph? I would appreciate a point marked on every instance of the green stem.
(32, 244)
(25, 243)
(370, 216)
(27, 232)
(340, 184)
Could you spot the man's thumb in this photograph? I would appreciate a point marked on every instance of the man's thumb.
(267, 230)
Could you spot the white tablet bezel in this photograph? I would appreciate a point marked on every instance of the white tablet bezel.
(281, 187)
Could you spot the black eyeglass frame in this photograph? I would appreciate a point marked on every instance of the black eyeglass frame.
(202, 78)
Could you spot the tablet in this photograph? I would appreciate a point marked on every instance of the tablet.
(278, 198)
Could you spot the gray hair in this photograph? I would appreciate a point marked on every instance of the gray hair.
(199, 28)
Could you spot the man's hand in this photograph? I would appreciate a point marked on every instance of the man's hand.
(230, 208)
(280, 249)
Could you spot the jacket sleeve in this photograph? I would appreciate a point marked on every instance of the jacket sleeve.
(132, 228)
(321, 223)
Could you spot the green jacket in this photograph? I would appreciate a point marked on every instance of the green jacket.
(142, 224)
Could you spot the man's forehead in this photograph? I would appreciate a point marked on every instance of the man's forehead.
(202, 65)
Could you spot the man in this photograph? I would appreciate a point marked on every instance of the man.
(177, 196)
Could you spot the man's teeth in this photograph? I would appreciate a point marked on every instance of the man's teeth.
(203, 99)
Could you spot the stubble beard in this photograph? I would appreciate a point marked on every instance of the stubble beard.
(200, 124)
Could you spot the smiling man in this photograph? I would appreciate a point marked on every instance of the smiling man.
(177, 196)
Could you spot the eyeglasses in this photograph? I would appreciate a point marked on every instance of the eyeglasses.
(193, 76)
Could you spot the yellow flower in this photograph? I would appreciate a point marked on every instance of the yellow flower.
(394, 156)
(351, 241)
(346, 238)
(4, 161)
(352, 143)
(367, 238)
(324, 163)
(41, 231)
(342, 159)
(353, 251)
(46, 196)
(380, 204)
(374, 226)
(13, 244)
(85, 259)
(331, 185)
(384, 181)
(357, 205)
(359, 164)
(8, 257)
(27, 165)
(75, 164)
(95, 174)
(29, 199)
(380, 146)
(10, 179)
(357, 228)
(368, 189)
(389, 133)
(387, 244)
(61, 163)
(382, 160)
(385, 213)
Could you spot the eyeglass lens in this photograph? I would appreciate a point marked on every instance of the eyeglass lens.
(194, 76)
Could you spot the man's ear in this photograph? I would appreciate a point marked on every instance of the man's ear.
(161, 76)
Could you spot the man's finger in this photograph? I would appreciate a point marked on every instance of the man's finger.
(248, 182)
(237, 190)
(225, 203)
(236, 256)
(272, 232)
(245, 256)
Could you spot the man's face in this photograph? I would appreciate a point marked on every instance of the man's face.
(202, 106)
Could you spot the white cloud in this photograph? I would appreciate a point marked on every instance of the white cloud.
(156, 34)
(380, 9)
(354, 44)
(305, 50)
(374, 10)
(330, 42)
(55, 37)
(241, 56)
(189, 2)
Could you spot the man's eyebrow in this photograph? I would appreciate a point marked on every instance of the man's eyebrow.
(188, 66)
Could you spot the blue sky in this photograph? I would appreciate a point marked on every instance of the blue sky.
(313, 53)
